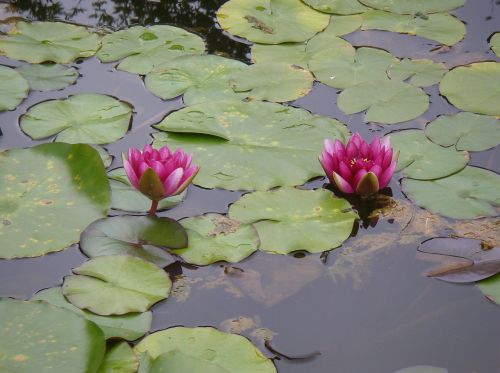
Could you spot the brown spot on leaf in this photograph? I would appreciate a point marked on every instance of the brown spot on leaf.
(223, 226)
(20, 358)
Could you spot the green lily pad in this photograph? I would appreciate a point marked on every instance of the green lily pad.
(83, 118)
(119, 358)
(13, 90)
(422, 369)
(385, 101)
(143, 48)
(468, 194)
(414, 7)
(199, 78)
(39, 337)
(344, 7)
(495, 43)
(315, 221)
(343, 25)
(125, 197)
(58, 42)
(249, 145)
(441, 27)
(177, 362)
(144, 237)
(474, 87)
(130, 326)
(421, 159)
(271, 21)
(116, 285)
(490, 287)
(38, 200)
(48, 77)
(231, 352)
(276, 82)
(467, 131)
(421, 73)
(345, 70)
(213, 238)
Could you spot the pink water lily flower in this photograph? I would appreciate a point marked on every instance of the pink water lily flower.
(159, 173)
(359, 167)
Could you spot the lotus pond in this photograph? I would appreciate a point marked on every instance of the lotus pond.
(260, 265)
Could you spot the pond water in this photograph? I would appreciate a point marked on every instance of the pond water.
(365, 307)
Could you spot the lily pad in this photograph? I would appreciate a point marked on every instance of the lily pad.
(39, 42)
(276, 82)
(421, 73)
(106, 158)
(342, 25)
(119, 358)
(249, 145)
(271, 21)
(385, 101)
(38, 200)
(441, 27)
(13, 90)
(231, 352)
(491, 288)
(467, 131)
(116, 285)
(316, 221)
(83, 118)
(468, 194)
(495, 43)
(177, 362)
(199, 78)
(39, 337)
(474, 87)
(422, 369)
(414, 7)
(129, 327)
(143, 48)
(48, 77)
(214, 238)
(421, 159)
(344, 7)
(144, 237)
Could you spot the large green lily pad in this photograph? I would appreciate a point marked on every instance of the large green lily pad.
(271, 21)
(467, 131)
(48, 41)
(48, 77)
(385, 101)
(491, 288)
(40, 190)
(144, 237)
(249, 145)
(342, 25)
(116, 285)
(474, 87)
(441, 27)
(421, 159)
(119, 358)
(143, 48)
(421, 73)
(83, 118)
(130, 326)
(414, 7)
(495, 43)
(344, 7)
(231, 352)
(199, 78)
(290, 219)
(39, 337)
(468, 194)
(178, 362)
(13, 90)
(214, 238)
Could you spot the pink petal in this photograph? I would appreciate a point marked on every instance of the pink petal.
(342, 184)
(141, 168)
(358, 176)
(159, 169)
(171, 184)
(374, 148)
(339, 149)
(129, 170)
(387, 158)
(326, 162)
(377, 170)
(329, 146)
(356, 139)
(192, 171)
(345, 171)
(386, 142)
(164, 152)
(364, 149)
(351, 150)
(387, 174)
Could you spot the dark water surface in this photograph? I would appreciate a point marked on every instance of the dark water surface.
(366, 306)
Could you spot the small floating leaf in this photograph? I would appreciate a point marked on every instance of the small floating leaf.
(13, 90)
(48, 77)
(344, 7)
(495, 43)
(414, 7)
(421, 73)
(119, 358)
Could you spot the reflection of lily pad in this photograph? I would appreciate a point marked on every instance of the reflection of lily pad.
(421, 159)
(48, 77)
(214, 238)
(38, 337)
(470, 193)
(38, 200)
(249, 145)
(48, 41)
(119, 358)
(232, 352)
(474, 88)
(421, 73)
(271, 21)
(143, 48)
(316, 221)
(495, 43)
(385, 101)
(116, 284)
(412, 6)
(442, 27)
(142, 236)
(13, 90)
(467, 131)
(129, 327)
(337, 6)
(83, 118)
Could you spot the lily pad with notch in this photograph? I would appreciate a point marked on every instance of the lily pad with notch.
(420, 73)
(414, 7)
(48, 77)
(13, 90)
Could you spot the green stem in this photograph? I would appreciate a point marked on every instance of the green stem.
(154, 207)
